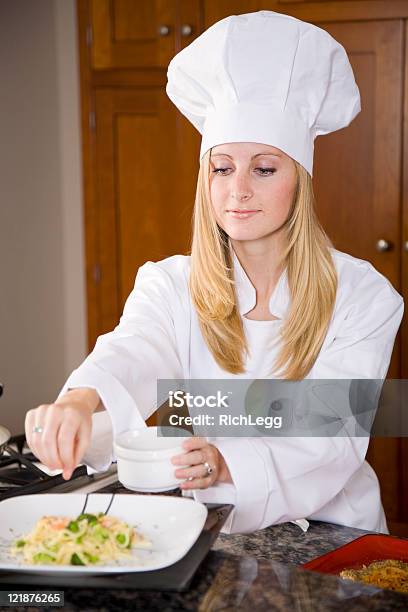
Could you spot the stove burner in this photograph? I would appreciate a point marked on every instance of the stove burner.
(17, 476)
(20, 476)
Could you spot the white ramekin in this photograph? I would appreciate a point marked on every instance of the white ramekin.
(143, 459)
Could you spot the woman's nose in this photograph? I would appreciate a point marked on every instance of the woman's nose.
(241, 188)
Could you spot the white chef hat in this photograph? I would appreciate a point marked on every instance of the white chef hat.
(264, 77)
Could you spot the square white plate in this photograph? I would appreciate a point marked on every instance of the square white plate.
(172, 524)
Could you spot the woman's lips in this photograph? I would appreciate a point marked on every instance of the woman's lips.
(242, 214)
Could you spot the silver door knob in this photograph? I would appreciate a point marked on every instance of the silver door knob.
(163, 30)
(406, 246)
(186, 29)
(383, 245)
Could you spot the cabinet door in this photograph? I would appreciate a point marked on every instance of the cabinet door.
(146, 164)
(129, 34)
(357, 173)
(357, 183)
(142, 34)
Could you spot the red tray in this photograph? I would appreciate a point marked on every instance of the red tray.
(360, 552)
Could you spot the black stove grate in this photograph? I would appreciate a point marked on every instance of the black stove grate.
(20, 476)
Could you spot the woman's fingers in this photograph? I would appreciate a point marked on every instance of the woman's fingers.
(189, 458)
(64, 436)
(199, 483)
(196, 471)
(83, 441)
(194, 453)
(198, 453)
(36, 418)
(67, 440)
(194, 442)
(50, 437)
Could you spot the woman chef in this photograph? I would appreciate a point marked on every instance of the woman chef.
(263, 294)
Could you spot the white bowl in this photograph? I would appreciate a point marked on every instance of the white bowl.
(144, 459)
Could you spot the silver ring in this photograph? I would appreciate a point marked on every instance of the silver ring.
(37, 429)
(208, 468)
(190, 478)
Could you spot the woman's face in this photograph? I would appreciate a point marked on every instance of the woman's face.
(252, 188)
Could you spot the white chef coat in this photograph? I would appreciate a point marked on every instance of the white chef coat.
(275, 479)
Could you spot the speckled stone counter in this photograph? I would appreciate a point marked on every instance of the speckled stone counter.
(287, 543)
(254, 572)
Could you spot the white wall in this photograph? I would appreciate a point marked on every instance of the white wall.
(42, 286)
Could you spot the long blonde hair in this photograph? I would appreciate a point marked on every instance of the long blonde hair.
(311, 274)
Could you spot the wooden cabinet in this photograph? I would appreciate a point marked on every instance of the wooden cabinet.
(139, 189)
(142, 34)
(358, 189)
(358, 170)
(141, 157)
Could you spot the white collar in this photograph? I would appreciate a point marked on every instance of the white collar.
(246, 292)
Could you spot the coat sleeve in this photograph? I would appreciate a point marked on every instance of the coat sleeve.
(278, 479)
(126, 362)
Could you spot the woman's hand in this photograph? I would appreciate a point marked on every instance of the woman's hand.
(198, 452)
(60, 433)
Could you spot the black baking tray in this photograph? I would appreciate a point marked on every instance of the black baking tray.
(176, 577)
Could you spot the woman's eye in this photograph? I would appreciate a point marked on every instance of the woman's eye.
(266, 170)
(263, 171)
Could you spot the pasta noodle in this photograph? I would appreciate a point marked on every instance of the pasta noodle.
(388, 574)
(87, 540)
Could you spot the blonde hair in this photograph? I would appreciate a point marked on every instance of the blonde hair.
(311, 274)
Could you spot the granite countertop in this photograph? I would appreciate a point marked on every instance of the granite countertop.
(287, 543)
(254, 572)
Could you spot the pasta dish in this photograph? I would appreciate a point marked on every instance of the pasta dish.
(87, 540)
(387, 574)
